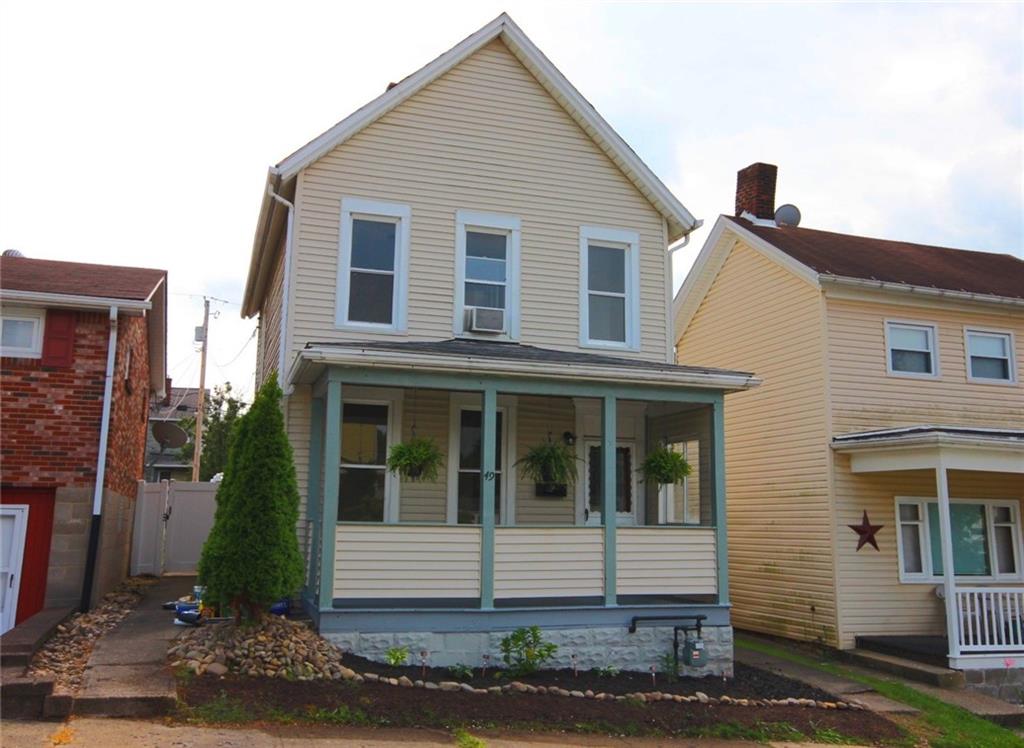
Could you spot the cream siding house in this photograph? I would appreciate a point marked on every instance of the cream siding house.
(891, 388)
(476, 258)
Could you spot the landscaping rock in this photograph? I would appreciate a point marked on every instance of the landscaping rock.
(701, 697)
(215, 668)
(449, 685)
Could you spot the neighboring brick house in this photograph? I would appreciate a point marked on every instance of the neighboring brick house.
(58, 322)
(168, 463)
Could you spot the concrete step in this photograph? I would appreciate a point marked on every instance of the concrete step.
(19, 644)
(23, 697)
(904, 668)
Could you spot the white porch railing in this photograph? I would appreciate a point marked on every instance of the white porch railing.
(990, 619)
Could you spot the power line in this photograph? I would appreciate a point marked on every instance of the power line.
(237, 355)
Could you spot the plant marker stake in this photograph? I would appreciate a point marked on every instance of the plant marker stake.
(653, 675)
(487, 660)
(423, 663)
(575, 665)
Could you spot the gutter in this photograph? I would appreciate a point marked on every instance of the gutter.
(283, 337)
(93, 303)
(878, 285)
(101, 467)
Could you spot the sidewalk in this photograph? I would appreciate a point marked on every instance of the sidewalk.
(127, 673)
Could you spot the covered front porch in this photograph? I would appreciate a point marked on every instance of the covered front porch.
(973, 528)
(482, 546)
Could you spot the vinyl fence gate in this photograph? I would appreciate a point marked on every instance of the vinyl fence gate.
(172, 521)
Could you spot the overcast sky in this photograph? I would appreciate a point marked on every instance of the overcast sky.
(140, 133)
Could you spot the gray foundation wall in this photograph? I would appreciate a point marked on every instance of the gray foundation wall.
(593, 647)
(1006, 683)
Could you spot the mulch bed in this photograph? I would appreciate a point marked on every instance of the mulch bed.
(378, 704)
(747, 682)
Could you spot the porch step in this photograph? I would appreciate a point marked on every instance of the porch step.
(19, 644)
(909, 669)
(23, 697)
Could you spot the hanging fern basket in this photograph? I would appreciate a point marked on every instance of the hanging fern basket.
(664, 467)
(417, 459)
(552, 467)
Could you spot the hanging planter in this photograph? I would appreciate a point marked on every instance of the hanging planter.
(552, 466)
(417, 459)
(664, 467)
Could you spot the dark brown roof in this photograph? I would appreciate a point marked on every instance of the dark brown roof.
(78, 278)
(896, 262)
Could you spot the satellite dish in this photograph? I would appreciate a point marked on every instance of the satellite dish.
(169, 435)
(787, 215)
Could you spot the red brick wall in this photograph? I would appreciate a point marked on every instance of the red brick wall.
(50, 416)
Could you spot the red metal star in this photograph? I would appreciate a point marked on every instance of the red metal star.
(866, 531)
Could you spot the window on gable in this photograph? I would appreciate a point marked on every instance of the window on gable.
(487, 258)
(989, 356)
(21, 333)
(609, 288)
(373, 265)
(911, 349)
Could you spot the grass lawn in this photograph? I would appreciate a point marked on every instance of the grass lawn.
(941, 724)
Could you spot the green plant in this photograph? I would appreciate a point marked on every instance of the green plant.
(608, 671)
(460, 671)
(397, 656)
(525, 651)
(668, 667)
(549, 462)
(464, 740)
(417, 459)
(664, 466)
(251, 557)
(220, 709)
(221, 412)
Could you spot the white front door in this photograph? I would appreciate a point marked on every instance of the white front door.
(625, 484)
(13, 524)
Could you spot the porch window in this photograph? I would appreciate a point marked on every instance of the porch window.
(470, 454)
(911, 349)
(985, 534)
(487, 256)
(990, 357)
(364, 448)
(609, 287)
(372, 265)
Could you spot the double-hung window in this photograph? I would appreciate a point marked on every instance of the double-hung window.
(373, 265)
(465, 464)
(363, 483)
(487, 273)
(990, 356)
(609, 288)
(986, 539)
(911, 349)
(21, 332)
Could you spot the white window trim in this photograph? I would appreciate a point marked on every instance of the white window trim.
(26, 314)
(933, 336)
(928, 576)
(1011, 352)
(359, 207)
(458, 402)
(512, 225)
(631, 239)
(393, 400)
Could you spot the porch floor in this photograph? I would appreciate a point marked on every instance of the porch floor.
(931, 650)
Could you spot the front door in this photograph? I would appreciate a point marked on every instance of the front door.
(13, 524)
(625, 484)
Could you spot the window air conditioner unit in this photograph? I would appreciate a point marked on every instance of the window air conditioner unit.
(481, 319)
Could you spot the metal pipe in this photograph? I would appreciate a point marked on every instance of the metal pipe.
(101, 468)
(644, 619)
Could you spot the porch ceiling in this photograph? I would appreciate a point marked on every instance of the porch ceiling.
(926, 446)
(460, 356)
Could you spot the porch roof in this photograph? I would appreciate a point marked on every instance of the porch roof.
(929, 446)
(510, 360)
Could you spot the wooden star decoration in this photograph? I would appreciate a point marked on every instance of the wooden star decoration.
(866, 532)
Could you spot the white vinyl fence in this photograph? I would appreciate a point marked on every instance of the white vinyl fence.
(172, 521)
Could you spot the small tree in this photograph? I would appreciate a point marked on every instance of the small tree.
(222, 411)
(251, 557)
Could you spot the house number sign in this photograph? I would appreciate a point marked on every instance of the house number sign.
(489, 475)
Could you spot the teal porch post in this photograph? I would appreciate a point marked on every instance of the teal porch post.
(609, 431)
(313, 498)
(721, 537)
(332, 475)
(488, 444)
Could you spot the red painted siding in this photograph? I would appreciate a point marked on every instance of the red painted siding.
(32, 588)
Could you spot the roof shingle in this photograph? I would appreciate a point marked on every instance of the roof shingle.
(78, 278)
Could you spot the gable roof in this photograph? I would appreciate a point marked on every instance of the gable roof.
(680, 221)
(828, 257)
(78, 278)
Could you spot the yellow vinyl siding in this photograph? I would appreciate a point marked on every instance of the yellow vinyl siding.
(548, 562)
(865, 397)
(666, 561)
(485, 136)
(871, 597)
(268, 356)
(427, 411)
(759, 317)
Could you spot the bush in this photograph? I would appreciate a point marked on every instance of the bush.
(251, 557)
(525, 651)
(397, 656)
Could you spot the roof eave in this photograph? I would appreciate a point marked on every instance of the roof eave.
(260, 240)
(929, 291)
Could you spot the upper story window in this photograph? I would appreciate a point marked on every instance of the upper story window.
(990, 356)
(609, 288)
(373, 265)
(21, 332)
(487, 274)
(911, 349)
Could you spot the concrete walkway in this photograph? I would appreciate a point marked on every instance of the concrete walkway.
(127, 673)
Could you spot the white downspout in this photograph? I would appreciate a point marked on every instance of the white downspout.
(101, 466)
(948, 561)
(283, 338)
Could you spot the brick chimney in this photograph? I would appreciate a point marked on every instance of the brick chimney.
(755, 190)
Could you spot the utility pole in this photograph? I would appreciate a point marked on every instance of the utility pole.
(197, 454)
